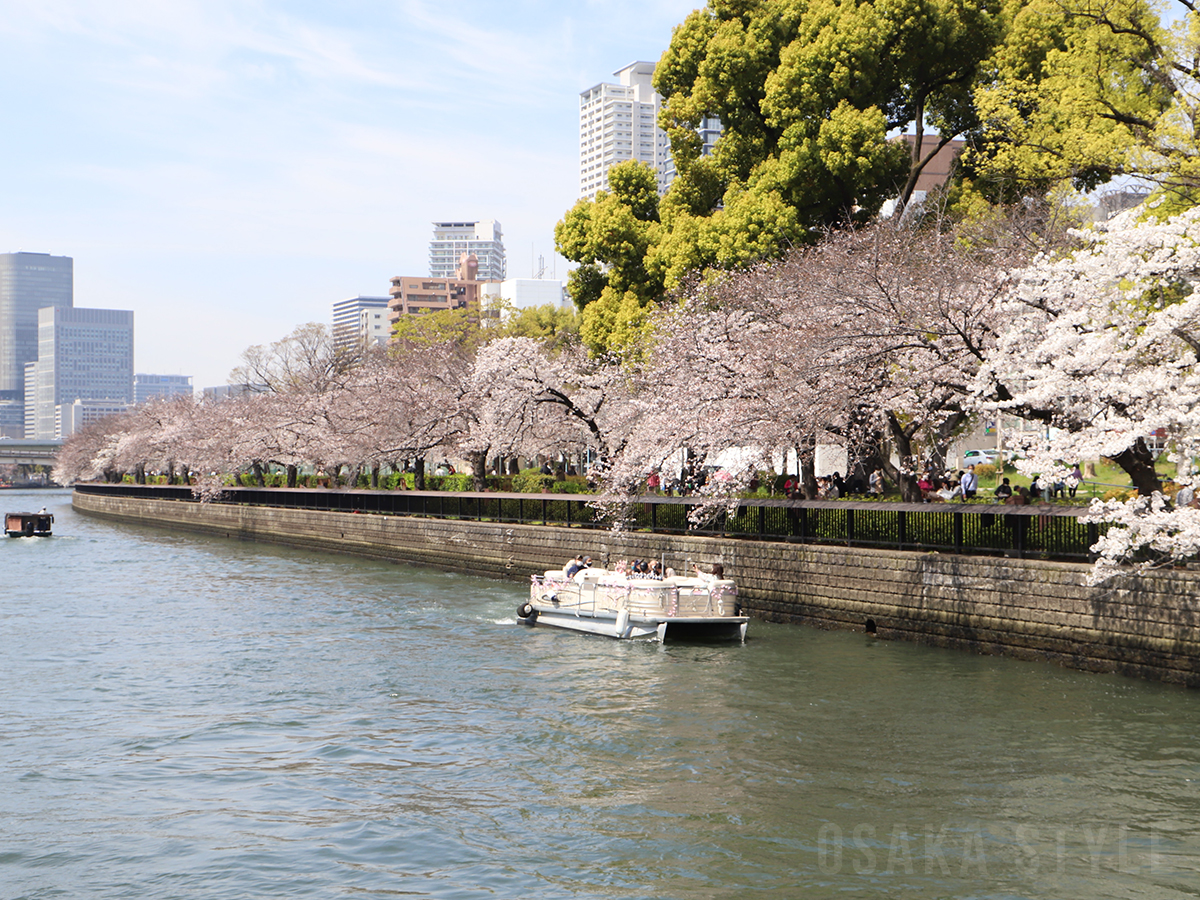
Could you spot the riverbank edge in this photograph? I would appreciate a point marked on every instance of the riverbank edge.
(1146, 626)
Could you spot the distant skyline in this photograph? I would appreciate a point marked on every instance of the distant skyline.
(230, 170)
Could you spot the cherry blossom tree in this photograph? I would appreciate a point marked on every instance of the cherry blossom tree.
(870, 339)
(1102, 344)
(543, 401)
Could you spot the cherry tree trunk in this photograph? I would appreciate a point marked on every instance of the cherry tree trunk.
(1138, 464)
(478, 470)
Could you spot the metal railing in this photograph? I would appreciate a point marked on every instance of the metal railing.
(1046, 532)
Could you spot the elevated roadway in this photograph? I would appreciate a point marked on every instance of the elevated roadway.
(28, 453)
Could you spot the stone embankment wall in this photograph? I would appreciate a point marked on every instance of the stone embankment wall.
(1147, 626)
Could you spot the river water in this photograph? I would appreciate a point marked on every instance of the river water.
(195, 717)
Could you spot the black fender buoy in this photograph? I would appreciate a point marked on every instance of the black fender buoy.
(525, 611)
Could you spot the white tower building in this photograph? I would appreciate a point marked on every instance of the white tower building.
(618, 122)
(453, 239)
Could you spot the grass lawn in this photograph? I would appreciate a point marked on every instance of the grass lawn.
(1108, 478)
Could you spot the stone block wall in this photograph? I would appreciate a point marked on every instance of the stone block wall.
(1147, 626)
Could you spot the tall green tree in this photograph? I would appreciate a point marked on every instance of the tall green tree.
(611, 237)
(1086, 91)
(807, 92)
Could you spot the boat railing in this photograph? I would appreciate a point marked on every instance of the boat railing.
(650, 597)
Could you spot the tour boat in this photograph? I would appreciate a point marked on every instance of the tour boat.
(597, 601)
(23, 524)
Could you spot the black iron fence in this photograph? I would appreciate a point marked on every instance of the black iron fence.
(1048, 532)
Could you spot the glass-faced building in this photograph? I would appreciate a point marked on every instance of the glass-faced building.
(83, 354)
(148, 387)
(28, 282)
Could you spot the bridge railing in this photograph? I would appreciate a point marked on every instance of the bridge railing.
(1048, 532)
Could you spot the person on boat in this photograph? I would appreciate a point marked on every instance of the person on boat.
(574, 566)
(578, 576)
(656, 570)
(717, 573)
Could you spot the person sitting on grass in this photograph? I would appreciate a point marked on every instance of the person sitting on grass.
(1004, 491)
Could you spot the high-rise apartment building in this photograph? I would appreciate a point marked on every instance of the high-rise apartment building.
(619, 122)
(83, 354)
(452, 241)
(28, 282)
(150, 387)
(359, 321)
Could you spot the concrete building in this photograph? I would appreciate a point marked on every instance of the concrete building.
(73, 417)
(452, 240)
(83, 354)
(522, 293)
(416, 296)
(938, 170)
(359, 320)
(619, 122)
(28, 282)
(149, 387)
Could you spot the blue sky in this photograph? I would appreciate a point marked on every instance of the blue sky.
(228, 170)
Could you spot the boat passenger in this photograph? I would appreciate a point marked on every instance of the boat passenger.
(587, 564)
(574, 566)
(717, 573)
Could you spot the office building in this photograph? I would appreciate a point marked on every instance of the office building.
(359, 321)
(83, 354)
(231, 391)
(28, 282)
(73, 417)
(452, 241)
(619, 122)
(151, 387)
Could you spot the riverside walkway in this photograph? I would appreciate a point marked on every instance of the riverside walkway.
(1039, 532)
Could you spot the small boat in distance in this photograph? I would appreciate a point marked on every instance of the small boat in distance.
(24, 524)
(597, 601)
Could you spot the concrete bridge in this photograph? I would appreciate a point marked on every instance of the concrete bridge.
(28, 453)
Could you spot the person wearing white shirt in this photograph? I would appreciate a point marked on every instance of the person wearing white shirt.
(970, 483)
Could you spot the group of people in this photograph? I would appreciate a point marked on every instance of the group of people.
(577, 565)
(833, 487)
(641, 568)
(962, 485)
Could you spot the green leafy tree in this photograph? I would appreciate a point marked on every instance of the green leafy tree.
(1089, 90)
(611, 237)
(807, 92)
(555, 326)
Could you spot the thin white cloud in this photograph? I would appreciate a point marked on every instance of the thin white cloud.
(229, 169)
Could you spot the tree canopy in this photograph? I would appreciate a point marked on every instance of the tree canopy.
(811, 94)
